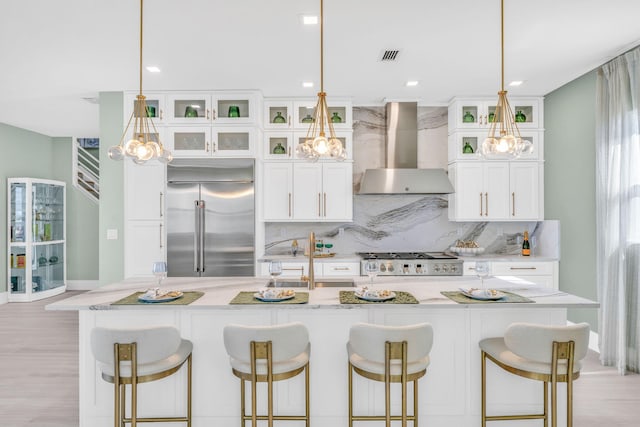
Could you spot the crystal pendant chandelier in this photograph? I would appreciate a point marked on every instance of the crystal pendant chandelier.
(504, 138)
(317, 144)
(145, 143)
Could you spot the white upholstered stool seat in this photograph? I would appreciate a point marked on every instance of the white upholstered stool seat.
(538, 352)
(133, 356)
(389, 354)
(267, 354)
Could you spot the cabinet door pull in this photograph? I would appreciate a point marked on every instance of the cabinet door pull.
(480, 204)
(161, 209)
(207, 114)
(513, 204)
(160, 236)
(214, 147)
(289, 152)
(160, 114)
(340, 268)
(213, 114)
(523, 268)
(289, 120)
(486, 204)
(207, 147)
(289, 205)
(325, 204)
(319, 204)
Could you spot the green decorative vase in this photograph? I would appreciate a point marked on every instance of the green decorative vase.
(279, 149)
(467, 149)
(279, 118)
(492, 117)
(190, 112)
(520, 117)
(42, 261)
(335, 118)
(151, 111)
(307, 119)
(468, 118)
(234, 111)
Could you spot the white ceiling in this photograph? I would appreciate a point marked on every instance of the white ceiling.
(55, 53)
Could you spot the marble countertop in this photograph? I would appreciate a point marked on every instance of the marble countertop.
(302, 258)
(356, 258)
(219, 291)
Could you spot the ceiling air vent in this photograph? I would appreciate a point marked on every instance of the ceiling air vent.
(389, 55)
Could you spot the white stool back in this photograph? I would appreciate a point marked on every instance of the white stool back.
(153, 343)
(367, 340)
(534, 342)
(288, 340)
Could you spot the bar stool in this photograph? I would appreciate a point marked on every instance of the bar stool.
(134, 356)
(390, 354)
(538, 352)
(267, 354)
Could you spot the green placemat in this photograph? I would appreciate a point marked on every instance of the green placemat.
(187, 298)
(349, 297)
(248, 298)
(460, 298)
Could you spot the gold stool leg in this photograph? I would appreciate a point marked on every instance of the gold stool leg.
(546, 403)
(123, 404)
(570, 401)
(415, 403)
(483, 370)
(350, 395)
(242, 403)
(189, 387)
(307, 398)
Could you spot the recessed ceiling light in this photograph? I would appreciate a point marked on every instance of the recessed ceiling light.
(153, 69)
(516, 83)
(307, 84)
(412, 83)
(309, 20)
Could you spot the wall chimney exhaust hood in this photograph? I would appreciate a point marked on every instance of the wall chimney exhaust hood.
(401, 174)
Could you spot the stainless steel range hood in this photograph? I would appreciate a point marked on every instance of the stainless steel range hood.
(401, 174)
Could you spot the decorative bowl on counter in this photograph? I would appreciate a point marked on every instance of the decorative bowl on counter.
(466, 251)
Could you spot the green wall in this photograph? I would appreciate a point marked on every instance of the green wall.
(569, 152)
(111, 190)
(25, 154)
(82, 217)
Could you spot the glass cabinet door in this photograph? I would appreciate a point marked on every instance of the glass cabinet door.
(47, 267)
(47, 212)
(189, 108)
(18, 212)
(18, 262)
(232, 141)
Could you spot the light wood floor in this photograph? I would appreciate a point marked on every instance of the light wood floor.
(39, 374)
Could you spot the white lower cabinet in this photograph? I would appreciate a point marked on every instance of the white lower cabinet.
(320, 269)
(144, 245)
(496, 191)
(541, 273)
(307, 191)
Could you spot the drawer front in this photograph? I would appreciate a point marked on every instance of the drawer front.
(521, 268)
(340, 269)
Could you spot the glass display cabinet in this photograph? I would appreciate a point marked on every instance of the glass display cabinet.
(36, 238)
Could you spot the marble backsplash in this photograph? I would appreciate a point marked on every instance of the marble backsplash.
(408, 222)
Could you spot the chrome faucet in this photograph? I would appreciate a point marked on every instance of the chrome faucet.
(312, 247)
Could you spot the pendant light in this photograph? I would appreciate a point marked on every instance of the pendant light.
(142, 146)
(504, 138)
(317, 144)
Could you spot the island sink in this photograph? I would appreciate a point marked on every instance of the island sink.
(327, 283)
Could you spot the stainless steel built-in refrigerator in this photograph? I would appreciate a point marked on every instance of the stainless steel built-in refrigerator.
(210, 217)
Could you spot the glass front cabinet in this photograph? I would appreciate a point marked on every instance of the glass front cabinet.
(37, 238)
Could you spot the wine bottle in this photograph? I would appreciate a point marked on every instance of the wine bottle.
(526, 248)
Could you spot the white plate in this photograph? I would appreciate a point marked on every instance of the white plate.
(160, 298)
(392, 295)
(260, 297)
(482, 294)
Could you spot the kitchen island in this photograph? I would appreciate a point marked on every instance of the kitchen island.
(450, 392)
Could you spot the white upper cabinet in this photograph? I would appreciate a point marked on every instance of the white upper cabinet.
(526, 181)
(340, 113)
(156, 109)
(278, 114)
(235, 107)
(464, 145)
(189, 108)
(470, 113)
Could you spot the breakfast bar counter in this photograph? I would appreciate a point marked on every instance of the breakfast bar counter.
(450, 391)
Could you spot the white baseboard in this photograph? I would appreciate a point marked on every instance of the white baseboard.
(4, 297)
(82, 285)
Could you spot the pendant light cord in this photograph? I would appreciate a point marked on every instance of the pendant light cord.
(321, 46)
(141, 1)
(501, 40)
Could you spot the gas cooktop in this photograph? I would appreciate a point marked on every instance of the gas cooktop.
(412, 263)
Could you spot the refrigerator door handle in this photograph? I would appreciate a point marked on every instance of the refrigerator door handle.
(196, 240)
(202, 232)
